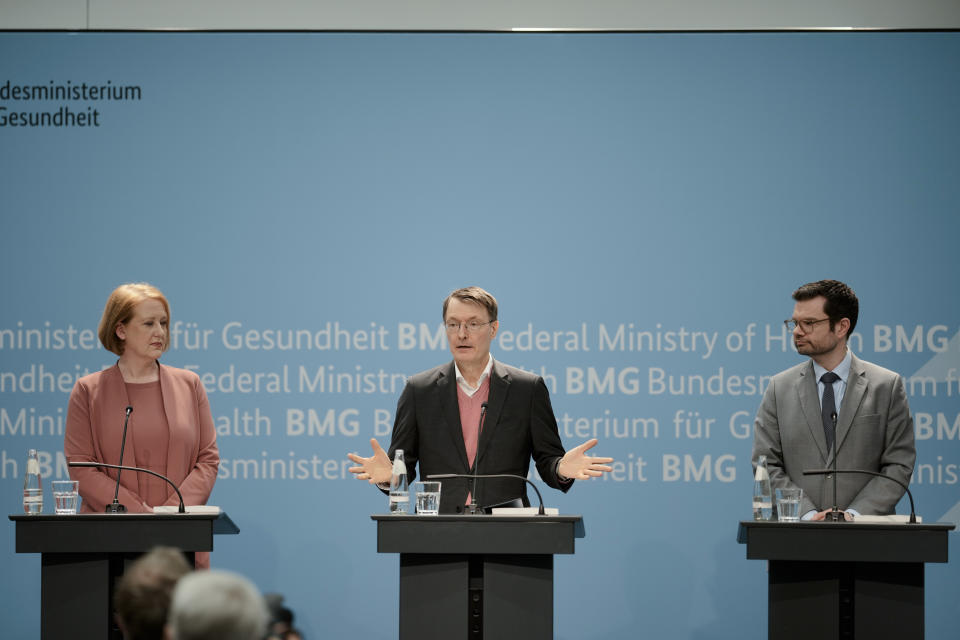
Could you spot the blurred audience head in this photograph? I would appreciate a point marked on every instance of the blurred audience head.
(217, 605)
(142, 597)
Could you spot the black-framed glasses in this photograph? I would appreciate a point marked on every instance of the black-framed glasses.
(472, 326)
(805, 325)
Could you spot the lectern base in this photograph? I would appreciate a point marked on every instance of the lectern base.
(480, 576)
(453, 596)
(851, 600)
(76, 594)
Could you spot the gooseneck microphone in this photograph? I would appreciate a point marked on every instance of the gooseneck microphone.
(823, 472)
(115, 506)
(444, 476)
(122, 509)
(475, 500)
(835, 515)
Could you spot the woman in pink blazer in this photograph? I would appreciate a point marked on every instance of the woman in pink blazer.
(171, 430)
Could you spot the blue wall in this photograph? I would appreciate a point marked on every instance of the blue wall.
(676, 186)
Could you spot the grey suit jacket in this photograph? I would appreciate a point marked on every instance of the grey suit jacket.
(874, 432)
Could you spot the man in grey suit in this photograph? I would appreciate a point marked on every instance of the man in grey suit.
(865, 404)
(476, 415)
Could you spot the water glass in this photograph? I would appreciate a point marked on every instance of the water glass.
(65, 493)
(788, 504)
(428, 498)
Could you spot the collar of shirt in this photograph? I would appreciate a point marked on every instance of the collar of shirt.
(462, 382)
(842, 370)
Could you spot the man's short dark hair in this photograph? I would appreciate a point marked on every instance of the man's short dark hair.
(841, 301)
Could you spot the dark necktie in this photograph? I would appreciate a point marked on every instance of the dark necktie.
(828, 407)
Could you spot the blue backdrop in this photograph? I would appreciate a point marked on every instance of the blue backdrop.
(642, 205)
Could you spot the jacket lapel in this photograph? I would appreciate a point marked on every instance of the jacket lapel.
(852, 397)
(177, 464)
(450, 407)
(810, 403)
(116, 391)
(499, 387)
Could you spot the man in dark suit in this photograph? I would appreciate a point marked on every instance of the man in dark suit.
(477, 416)
(835, 395)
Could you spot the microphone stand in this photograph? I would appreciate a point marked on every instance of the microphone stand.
(835, 514)
(443, 476)
(123, 509)
(823, 472)
(115, 506)
(474, 509)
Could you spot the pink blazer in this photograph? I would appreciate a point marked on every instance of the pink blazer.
(95, 425)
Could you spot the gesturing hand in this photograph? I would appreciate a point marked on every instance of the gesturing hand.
(376, 469)
(576, 464)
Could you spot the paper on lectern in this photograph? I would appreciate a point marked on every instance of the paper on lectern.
(191, 508)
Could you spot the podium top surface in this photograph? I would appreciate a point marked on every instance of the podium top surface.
(479, 517)
(119, 532)
(477, 534)
(845, 541)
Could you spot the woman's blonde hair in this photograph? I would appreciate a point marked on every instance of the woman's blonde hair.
(119, 310)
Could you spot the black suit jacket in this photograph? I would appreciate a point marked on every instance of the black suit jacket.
(519, 423)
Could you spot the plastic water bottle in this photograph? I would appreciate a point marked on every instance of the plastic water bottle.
(399, 489)
(762, 496)
(32, 485)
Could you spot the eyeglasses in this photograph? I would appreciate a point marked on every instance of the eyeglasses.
(472, 326)
(805, 325)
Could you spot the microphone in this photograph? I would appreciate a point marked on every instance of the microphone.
(823, 472)
(115, 506)
(835, 515)
(444, 476)
(110, 507)
(476, 464)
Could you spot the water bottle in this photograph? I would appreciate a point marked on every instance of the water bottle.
(762, 496)
(32, 485)
(399, 490)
